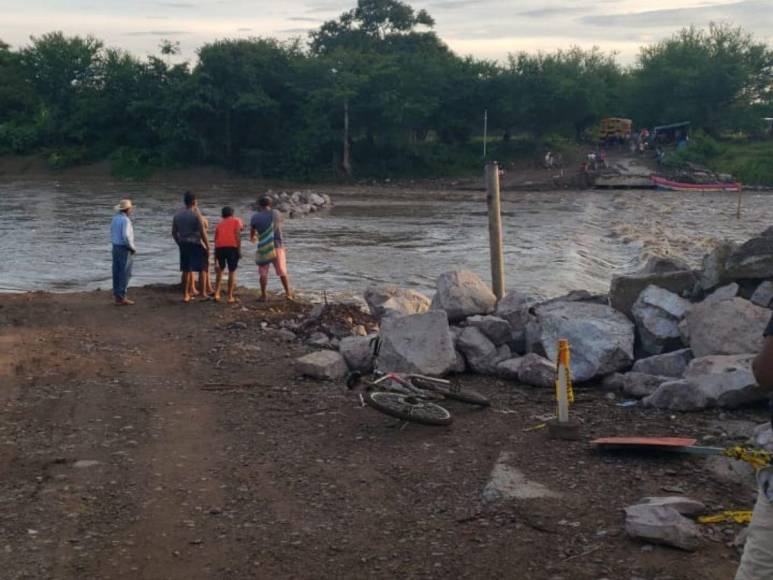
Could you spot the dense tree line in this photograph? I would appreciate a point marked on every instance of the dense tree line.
(373, 92)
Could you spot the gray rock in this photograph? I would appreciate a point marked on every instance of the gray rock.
(488, 365)
(358, 352)
(324, 365)
(713, 273)
(514, 307)
(724, 293)
(319, 339)
(728, 470)
(664, 265)
(733, 326)
(662, 525)
(657, 313)
(613, 382)
(639, 385)
(496, 329)
(460, 366)
(601, 338)
(752, 259)
(682, 504)
(461, 294)
(474, 345)
(508, 369)
(727, 381)
(580, 296)
(537, 371)
(762, 437)
(763, 295)
(625, 290)
(388, 301)
(287, 334)
(678, 395)
(672, 364)
(419, 343)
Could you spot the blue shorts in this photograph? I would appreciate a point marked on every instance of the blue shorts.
(193, 257)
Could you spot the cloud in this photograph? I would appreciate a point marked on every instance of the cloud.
(452, 4)
(550, 12)
(303, 19)
(294, 30)
(744, 13)
(244, 30)
(176, 4)
(156, 33)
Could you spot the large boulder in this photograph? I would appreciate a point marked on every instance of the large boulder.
(461, 294)
(388, 301)
(672, 275)
(726, 327)
(537, 371)
(726, 292)
(657, 313)
(509, 369)
(601, 338)
(496, 329)
(514, 307)
(481, 354)
(763, 295)
(323, 365)
(639, 385)
(713, 273)
(752, 259)
(713, 381)
(662, 524)
(682, 504)
(672, 364)
(419, 343)
(358, 352)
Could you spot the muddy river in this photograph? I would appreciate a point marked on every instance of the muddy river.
(54, 236)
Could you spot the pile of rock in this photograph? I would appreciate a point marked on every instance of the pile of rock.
(299, 203)
(683, 338)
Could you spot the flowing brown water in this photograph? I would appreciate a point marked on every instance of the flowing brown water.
(54, 236)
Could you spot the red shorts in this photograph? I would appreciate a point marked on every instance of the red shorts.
(280, 265)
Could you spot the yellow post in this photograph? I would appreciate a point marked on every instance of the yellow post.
(564, 393)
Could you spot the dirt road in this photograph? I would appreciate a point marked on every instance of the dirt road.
(166, 441)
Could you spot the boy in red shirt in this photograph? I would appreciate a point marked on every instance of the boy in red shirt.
(228, 248)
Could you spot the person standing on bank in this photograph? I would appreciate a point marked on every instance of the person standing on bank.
(228, 250)
(266, 230)
(191, 237)
(122, 237)
(757, 559)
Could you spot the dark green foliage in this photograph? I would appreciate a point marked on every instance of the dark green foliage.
(414, 108)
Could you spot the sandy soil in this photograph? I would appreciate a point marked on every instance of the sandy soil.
(166, 441)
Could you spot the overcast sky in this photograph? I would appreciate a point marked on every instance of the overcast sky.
(483, 28)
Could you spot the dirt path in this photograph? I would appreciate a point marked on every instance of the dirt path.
(165, 441)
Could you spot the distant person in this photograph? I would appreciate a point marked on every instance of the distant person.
(549, 160)
(266, 230)
(228, 250)
(757, 559)
(122, 237)
(205, 282)
(191, 237)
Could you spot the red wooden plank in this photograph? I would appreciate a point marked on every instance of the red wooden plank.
(645, 441)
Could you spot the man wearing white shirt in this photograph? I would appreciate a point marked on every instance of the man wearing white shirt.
(122, 236)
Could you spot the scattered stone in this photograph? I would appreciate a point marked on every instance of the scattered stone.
(684, 505)
(662, 525)
(672, 364)
(726, 327)
(763, 295)
(319, 339)
(537, 371)
(657, 313)
(358, 352)
(286, 334)
(507, 482)
(388, 301)
(496, 329)
(752, 259)
(724, 293)
(461, 294)
(323, 365)
(728, 470)
(713, 273)
(508, 369)
(640, 385)
(664, 273)
(419, 343)
(85, 463)
(601, 338)
(679, 395)
(237, 325)
(763, 437)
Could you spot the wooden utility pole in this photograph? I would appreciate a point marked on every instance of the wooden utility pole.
(495, 229)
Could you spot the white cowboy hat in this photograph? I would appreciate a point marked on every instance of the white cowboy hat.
(123, 205)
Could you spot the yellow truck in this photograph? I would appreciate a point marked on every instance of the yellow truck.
(615, 128)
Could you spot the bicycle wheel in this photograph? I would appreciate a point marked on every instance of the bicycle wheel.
(408, 408)
(453, 392)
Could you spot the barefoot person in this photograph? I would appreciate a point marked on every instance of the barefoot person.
(122, 237)
(205, 283)
(757, 559)
(191, 237)
(228, 249)
(266, 230)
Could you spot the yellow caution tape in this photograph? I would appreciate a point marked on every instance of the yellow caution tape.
(739, 517)
(757, 458)
(564, 359)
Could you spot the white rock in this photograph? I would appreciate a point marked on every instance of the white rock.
(662, 525)
(461, 294)
(682, 504)
(388, 301)
(713, 273)
(726, 327)
(419, 343)
(657, 313)
(324, 365)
